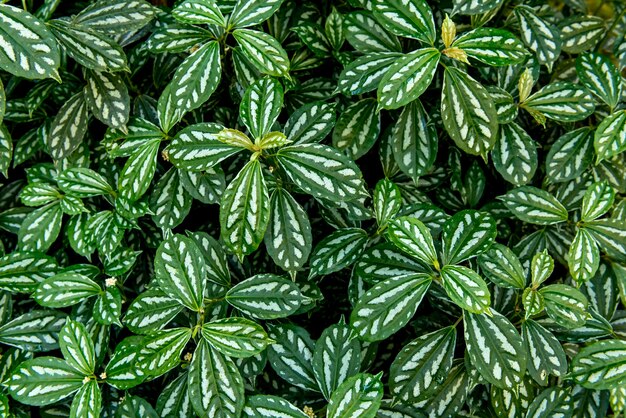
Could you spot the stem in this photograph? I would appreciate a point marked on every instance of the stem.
(458, 321)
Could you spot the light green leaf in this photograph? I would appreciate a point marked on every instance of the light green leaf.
(199, 12)
(264, 51)
(491, 46)
(107, 97)
(566, 305)
(467, 234)
(410, 18)
(541, 268)
(337, 251)
(466, 288)
(68, 128)
(236, 337)
(260, 106)
(265, 296)
(561, 101)
(359, 396)
(23, 271)
(600, 365)
(65, 289)
(160, 352)
(609, 138)
(500, 265)
(515, 154)
(357, 128)
(77, 347)
(534, 205)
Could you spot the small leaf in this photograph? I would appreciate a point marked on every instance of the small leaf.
(412, 236)
(365, 34)
(609, 137)
(541, 268)
(566, 305)
(236, 337)
(40, 228)
(87, 402)
(138, 171)
(68, 128)
(599, 75)
(77, 347)
(539, 35)
(121, 371)
(534, 205)
(466, 288)
(151, 311)
(264, 51)
(359, 396)
(199, 12)
(259, 406)
(543, 351)
(610, 235)
(410, 19)
(384, 261)
(170, 202)
(465, 235)
(160, 352)
(261, 105)
(337, 251)
(386, 201)
(265, 296)
(116, 16)
(581, 32)
(364, 73)
(597, 201)
(6, 151)
(500, 265)
(83, 182)
(515, 154)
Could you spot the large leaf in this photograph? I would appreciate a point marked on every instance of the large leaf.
(170, 203)
(65, 289)
(411, 18)
(502, 267)
(358, 396)
(600, 365)
(561, 101)
(151, 311)
(539, 35)
(412, 236)
(88, 401)
(491, 46)
(534, 205)
(108, 99)
(466, 288)
(610, 235)
(310, 123)
(197, 148)
(236, 337)
(23, 271)
(566, 305)
(260, 106)
(384, 261)
(33, 331)
(467, 234)
(264, 51)
(265, 296)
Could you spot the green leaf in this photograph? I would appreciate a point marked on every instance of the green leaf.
(43, 381)
(469, 115)
(599, 75)
(108, 99)
(40, 228)
(310, 123)
(337, 251)
(388, 306)
(245, 210)
(566, 305)
(206, 186)
(260, 106)
(264, 51)
(291, 355)
(495, 348)
(515, 154)
(176, 38)
(87, 402)
(23, 271)
(77, 347)
(410, 19)
(174, 399)
(561, 101)
(610, 235)
(506, 108)
(199, 12)
(179, 270)
(116, 16)
(334, 29)
(88, 47)
(467, 234)
(408, 78)
(609, 139)
(135, 407)
(215, 262)
(412, 236)
(581, 32)
(108, 307)
(357, 128)
(533, 302)
(543, 351)
(3, 99)
(65, 289)
(600, 365)
(170, 202)
(570, 155)
(236, 337)
(28, 48)
(68, 128)
(83, 182)
(366, 35)
(321, 171)
(6, 151)
(491, 46)
(336, 358)
(597, 201)
(312, 35)
(265, 296)
(288, 239)
(364, 74)
(121, 371)
(413, 142)
(359, 396)
(252, 12)
(160, 352)
(194, 81)
(196, 148)
(541, 268)
(151, 311)
(553, 401)
(215, 385)
(261, 406)
(500, 265)
(535, 206)
(475, 7)
(540, 36)
(422, 365)
(33, 331)
(138, 171)
(466, 288)
(386, 201)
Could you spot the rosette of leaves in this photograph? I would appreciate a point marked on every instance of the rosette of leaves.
(291, 209)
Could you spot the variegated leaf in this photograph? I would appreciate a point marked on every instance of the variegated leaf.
(386, 201)
(515, 154)
(265, 296)
(540, 36)
(160, 352)
(260, 406)
(570, 155)
(534, 205)
(365, 34)
(598, 200)
(544, 352)
(364, 73)
(236, 337)
(108, 99)
(199, 12)
(264, 51)
(216, 264)
(338, 250)
(68, 127)
(177, 38)
(359, 396)
(412, 236)
(33, 331)
(291, 355)
(384, 261)
(541, 268)
(491, 46)
(600, 365)
(560, 101)
(170, 202)
(407, 18)
(40, 228)
(500, 265)
(260, 106)
(310, 123)
(23, 271)
(115, 17)
(151, 311)
(77, 347)
(466, 288)
(83, 182)
(581, 33)
(610, 235)
(252, 12)
(87, 402)
(65, 289)
(136, 176)
(357, 128)
(467, 234)
(609, 138)
(566, 305)
(599, 75)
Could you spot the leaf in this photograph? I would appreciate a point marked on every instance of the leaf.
(160, 352)
(359, 396)
(116, 16)
(206, 186)
(87, 402)
(170, 202)
(422, 365)
(68, 128)
(609, 137)
(83, 182)
(466, 288)
(414, 144)
(36, 330)
(250, 13)
(336, 358)
(199, 12)
(408, 78)
(135, 407)
(260, 406)
(28, 48)
(108, 307)
(357, 128)
(265, 296)
(43, 381)
(288, 238)
(174, 400)
(600, 365)
(410, 19)
(264, 51)
(179, 270)
(541, 268)
(365, 73)
(107, 97)
(610, 235)
(599, 75)
(597, 201)
(337, 251)
(312, 35)
(561, 101)
(491, 46)
(137, 174)
(236, 337)
(581, 33)
(515, 154)
(310, 123)
(151, 311)
(535, 206)
(176, 38)
(495, 348)
(245, 210)
(215, 385)
(40, 228)
(65, 289)
(386, 201)
(500, 265)
(543, 351)
(88, 47)
(384, 261)
(260, 106)
(539, 35)
(553, 401)
(121, 371)
(321, 171)
(6, 151)
(412, 236)
(388, 306)
(291, 355)
(366, 35)
(194, 81)
(196, 148)
(570, 155)
(77, 347)
(23, 271)
(215, 262)
(469, 115)
(566, 305)
(465, 235)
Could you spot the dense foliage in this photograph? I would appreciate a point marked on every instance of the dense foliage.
(281, 208)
